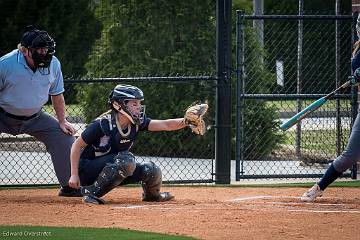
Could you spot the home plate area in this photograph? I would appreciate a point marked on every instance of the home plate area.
(264, 202)
(199, 211)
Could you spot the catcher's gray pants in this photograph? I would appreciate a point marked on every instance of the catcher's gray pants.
(46, 129)
(351, 154)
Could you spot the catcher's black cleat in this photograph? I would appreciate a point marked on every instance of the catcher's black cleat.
(89, 196)
(93, 199)
(67, 191)
(162, 197)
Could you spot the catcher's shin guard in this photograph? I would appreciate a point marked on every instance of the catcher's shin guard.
(111, 175)
(151, 182)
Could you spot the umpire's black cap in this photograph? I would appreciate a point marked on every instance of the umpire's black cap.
(36, 38)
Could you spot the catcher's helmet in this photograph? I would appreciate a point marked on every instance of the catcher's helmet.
(122, 94)
(34, 39)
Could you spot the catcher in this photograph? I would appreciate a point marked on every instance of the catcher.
(100, 157)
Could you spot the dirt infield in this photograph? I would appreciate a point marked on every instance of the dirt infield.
(201, 212)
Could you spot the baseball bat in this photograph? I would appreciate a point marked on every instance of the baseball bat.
(312, 107)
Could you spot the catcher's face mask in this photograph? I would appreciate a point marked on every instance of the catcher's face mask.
(132, 109)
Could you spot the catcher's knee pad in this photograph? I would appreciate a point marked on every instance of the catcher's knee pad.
(112, 175)
(151, 179)
(125, 162)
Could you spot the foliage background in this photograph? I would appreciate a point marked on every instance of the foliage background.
(108, 38)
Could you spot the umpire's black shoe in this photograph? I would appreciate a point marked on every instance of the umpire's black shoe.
(162, 197)
(67, 191)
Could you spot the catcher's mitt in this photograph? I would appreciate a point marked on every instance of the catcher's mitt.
(194, 118)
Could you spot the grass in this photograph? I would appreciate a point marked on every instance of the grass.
(323, 141)
(316, 141)
(57, 233)
(355, 183)
(71, 109)
(284, 105)
(291, 105)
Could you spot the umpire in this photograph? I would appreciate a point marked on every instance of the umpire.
(28, 75)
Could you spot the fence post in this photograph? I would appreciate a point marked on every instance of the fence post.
(239, 91)
(299, 78)
(354, 95)
(223, 92)
(337, 79)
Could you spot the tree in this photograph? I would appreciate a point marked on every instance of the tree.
(74, 31)
(318, 49)
(160, 38)
(152, 38)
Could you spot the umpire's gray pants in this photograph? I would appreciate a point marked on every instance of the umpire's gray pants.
(46, 129)
(351, 154)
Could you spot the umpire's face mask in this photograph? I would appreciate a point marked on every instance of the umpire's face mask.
(42, 57)
(42, 49)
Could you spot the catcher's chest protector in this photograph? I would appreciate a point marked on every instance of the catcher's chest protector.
(114, 140)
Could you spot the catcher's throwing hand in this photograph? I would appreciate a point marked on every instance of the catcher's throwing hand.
(74, 181)
(194, 118)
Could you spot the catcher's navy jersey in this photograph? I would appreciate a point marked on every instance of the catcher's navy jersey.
(103, 137)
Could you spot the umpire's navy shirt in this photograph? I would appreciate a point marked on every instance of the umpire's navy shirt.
(23, 92)
(93, 136)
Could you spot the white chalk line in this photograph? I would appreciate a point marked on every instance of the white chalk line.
(260, 197)
(134, 207)
(324, 211)
(145, 206)
(296, 203)
(174, 206)
(198, 207)
(162, 206)
(280, 197)
(303, 203)
(283, 203)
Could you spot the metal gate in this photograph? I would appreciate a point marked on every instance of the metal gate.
(283, 64)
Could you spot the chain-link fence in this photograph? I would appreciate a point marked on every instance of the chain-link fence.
(284, 64)
(183, 156)
(109, 42)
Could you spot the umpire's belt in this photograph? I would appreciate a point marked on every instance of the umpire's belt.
(23, 118)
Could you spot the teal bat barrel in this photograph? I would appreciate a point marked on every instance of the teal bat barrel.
(296, 118)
